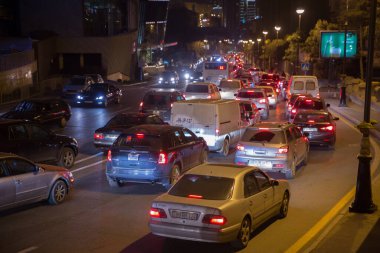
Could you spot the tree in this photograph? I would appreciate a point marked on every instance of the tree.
(274, 51)
(291, 51)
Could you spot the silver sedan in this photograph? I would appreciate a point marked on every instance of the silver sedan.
(219, 203)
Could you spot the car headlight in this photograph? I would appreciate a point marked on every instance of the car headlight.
(79, 97)
(187, 76)
(160, 78)
(201, 77)
(172, 79)
(99, 98)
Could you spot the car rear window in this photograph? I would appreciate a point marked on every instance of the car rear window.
(310, 104)
(125, 120)
(259, 135)
(302, 118)
(252, 94)
(197, 88)
(310, 85)
(156, 100)
(298, 85)
(139, 141)
(206, 187)
(229, 84)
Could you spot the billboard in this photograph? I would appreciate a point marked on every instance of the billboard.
(332, 44)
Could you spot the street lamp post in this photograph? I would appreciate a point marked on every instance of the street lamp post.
(299, 11)
(265, 39)
(277, 28)
(258, 49)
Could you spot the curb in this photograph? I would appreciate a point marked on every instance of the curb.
(359, 101)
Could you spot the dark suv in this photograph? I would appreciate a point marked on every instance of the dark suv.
(36, 143)
(308, 103)
(154, 154)
(160, 103)
(41, 110)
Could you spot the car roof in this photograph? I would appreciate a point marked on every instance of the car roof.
(265, 86)
(253, 89)
(164, 92)
(199, 83)
(207, 101)
(272, 125)
(310, 111)
(152, 129)
(220, 170)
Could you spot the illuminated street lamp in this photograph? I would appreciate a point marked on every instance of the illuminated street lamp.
(277, 28)
(299, 11)
(265, 35)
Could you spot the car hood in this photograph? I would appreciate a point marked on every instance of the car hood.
(92, 94)
(49, 167)
(20, 115)
(73, 87)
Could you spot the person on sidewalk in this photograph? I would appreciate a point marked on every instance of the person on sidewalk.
(342, 87)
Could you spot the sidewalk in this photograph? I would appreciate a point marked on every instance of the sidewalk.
(353, 232)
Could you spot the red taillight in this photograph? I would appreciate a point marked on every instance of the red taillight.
(263, 128)
(294, 111)
(157, 213)
(109, 156)
(214, 219)
(193, 196)
(208, 96)
(171, 105)
(240, 147)
(327, 128)
(283, 150)
(262, 101)
(140, 136)
(308, 100)
(311, 121)
(141, 104)
(98, 136)
(162, 158)
(277, 90)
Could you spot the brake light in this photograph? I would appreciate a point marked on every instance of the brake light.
(262, 101)
(294, 111)
(283, 150)
(311, 121)
(109, 156)
(240, 147)
(317, 95)
(140, 136)
(328, 128)
(141, 104)
(250, 91)
(98, 136)
(277, 90)
(162, 158)
(193, 196)
(214, 219)
(171, 105)
(263, 128)
(208, 96)
(309, 100)
(217, 131)
(157, 213)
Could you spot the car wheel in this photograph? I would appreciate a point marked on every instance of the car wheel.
(67, 158)
(226, 147)
(58, 192)
(284, 205)
(204, 157)
(306, 158)
(63, 122)
(292, 172)
(174, 174)
(244, 234)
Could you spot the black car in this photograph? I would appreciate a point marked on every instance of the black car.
(41, 110)
(319, 126)
(154, 154)
(105, 136)
(99, 94)
(169, 77)
(36, 143)
(160, 103)
(308, 103)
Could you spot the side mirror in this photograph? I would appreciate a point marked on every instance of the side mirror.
(235, 94)
(327, 105)
(275, 183)
(336, 118)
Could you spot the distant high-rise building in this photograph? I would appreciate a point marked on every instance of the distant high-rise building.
(248, 11)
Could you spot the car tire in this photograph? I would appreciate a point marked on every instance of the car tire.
(63, 122)
(226, 147)
(175, 172)
(306, 158)
(244, 234)
(67, 158)
(284, 206)
(290, 174)
(58, 192)
(204, 157)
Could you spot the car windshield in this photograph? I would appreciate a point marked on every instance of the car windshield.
(167, 74)
(28, 106)
(125, 121)
(264, 135)
(77, 81)
(250, 94)
(156, 100)
(139, 141)
(229, 85)
(206, 187)
(198, 88)
(96, 87)
(310, 104)
(315, 118)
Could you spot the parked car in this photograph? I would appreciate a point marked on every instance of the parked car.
(200, 90)
(99, 94)
(23, 182)
(76, 85)
(258, 96)
(105, 136)
(41, 110)
(271, 94)
(160, 103)
(169, 77)
(219, 203)
(230, 87)
(291, 100)
(308, 103)
(319, 126)
(273, 147)
(154, 154)
(37, 143)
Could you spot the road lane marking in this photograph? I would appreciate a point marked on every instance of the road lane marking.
(343, 202)
(127, 85)
(88, 158)
(87, 166)
(28, 249)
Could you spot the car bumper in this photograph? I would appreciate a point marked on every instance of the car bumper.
(321, 140)
(193, 233)
(276, 165)
(137, 175)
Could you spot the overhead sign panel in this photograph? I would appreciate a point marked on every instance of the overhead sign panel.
(332, 44)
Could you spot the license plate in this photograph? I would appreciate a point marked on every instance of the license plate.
(178, 214)
(261, 164)
(133, 157)
(307, 129)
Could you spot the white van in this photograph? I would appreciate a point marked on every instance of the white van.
(304, 85)
(220, 122)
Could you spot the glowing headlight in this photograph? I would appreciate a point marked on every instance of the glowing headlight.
(160, 78)
(79, 97)
(172, 79)
(99, 98)
(201, 77)
(187, 76)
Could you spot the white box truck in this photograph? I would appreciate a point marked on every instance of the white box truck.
(220, 122)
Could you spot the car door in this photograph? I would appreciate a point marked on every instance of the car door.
(45, 148)
(255, 199)
(195, 145)
(19, 141)
(30, 182)
(301, 145)
(184, 149)
(267, 190)
(7, 187)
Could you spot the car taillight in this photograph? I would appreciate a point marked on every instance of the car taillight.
(141, 104)
(194, 196)
(157, 213)
(262, 101)
(171, 105)
(240, 147)
(162, 158)
(140, 136)
(327, 128)
(294, 111)
(109, 156)
(98, 136)
(214, 219)
(277, 90)
(217, 131)
(283, 150)
(208, 96)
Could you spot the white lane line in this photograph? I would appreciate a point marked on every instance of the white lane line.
(127, 85)
(88, 158)
(28, 249)
(88, 166)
